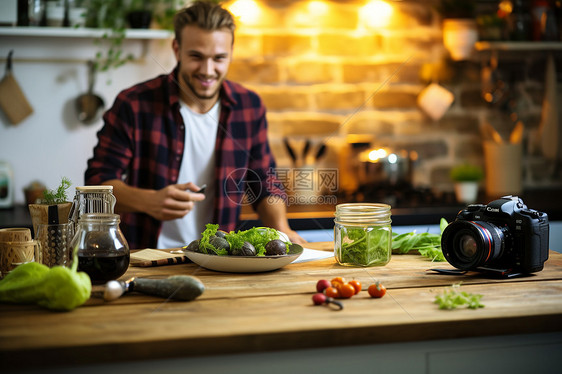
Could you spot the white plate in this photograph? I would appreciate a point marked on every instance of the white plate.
(244, 264)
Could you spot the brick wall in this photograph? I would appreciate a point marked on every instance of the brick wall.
(326, 75)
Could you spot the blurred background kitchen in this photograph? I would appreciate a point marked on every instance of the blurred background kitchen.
(388, 97)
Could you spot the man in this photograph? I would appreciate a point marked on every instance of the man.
(165, 138)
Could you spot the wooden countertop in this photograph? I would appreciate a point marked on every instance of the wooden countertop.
(273, 311)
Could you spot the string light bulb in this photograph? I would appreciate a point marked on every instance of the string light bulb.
(376, 14)
(246, 11)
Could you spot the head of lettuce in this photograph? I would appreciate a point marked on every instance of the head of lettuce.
(57, 288)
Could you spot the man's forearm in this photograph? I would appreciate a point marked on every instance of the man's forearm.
(129, 199)
(273, 213)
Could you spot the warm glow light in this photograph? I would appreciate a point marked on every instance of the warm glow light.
(246, 11)
(377, 154)
(317, 7)
(376, 14)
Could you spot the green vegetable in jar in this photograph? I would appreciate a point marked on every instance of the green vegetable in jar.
(58, 288)
(364, 247)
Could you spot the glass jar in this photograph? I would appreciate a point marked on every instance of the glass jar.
(91, 199)
(101, 248)
(362, 234)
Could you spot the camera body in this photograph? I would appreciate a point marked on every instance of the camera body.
(504, 236)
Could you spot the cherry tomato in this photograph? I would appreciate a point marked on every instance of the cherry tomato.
(337, 281)
(322, 284)
(346, 291)
(356, 284)
(332, 292)
(377, 290)
(319, 298)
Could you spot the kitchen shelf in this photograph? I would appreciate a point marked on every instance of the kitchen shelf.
(518, 46)
(71, 45)
(65, 32)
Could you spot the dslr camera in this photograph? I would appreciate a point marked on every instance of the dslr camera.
(504, 237)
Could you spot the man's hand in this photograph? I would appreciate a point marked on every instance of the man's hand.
(294, 237)
(174, 201)
(171, 202)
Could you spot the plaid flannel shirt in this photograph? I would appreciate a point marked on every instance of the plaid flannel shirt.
(142, 143)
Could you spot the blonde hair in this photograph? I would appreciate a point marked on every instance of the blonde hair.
(205, 15)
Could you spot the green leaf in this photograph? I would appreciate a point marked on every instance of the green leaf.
(452, 298)
(443, 224)
(204, 244)
(365, 247)
(427, 244)
(257, 236)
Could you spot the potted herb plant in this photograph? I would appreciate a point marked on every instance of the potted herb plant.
(139, 14)
(54, 207)
(460, 31)
(466, 178)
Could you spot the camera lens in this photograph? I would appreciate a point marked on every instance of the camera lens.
(470, 244)
(467, 246)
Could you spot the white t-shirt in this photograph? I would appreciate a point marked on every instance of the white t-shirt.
(197, 166)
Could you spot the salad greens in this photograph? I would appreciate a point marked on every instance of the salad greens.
(427, 244)
(257, 236)
(452, 298)
(204, 243)
(366, 247)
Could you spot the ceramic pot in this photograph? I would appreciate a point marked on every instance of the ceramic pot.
(466, 192)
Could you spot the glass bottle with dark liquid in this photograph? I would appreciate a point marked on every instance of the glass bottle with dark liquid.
(102, 251)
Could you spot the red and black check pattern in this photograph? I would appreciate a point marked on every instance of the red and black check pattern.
(142, 143)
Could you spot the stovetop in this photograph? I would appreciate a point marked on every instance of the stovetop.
(400, 195)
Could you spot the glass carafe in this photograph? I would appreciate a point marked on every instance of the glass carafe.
(102, 251)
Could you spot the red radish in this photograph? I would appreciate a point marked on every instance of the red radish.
(322, 284)
(318, 298)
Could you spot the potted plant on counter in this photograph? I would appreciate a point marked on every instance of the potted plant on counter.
(53, 208)
(466, 178)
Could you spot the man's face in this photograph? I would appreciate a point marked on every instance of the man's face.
(204, 58)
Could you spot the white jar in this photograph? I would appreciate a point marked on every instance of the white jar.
(6, 185)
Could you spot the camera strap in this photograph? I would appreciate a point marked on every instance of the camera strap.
(496, 273)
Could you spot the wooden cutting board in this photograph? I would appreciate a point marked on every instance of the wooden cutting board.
(155, 257)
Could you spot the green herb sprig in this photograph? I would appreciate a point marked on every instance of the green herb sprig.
(57, 196)
(454, 297)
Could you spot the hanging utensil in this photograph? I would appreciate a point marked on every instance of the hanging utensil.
(89, 106)
(290, 150)
(12, 100)
(305, 149)
(320, 152)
